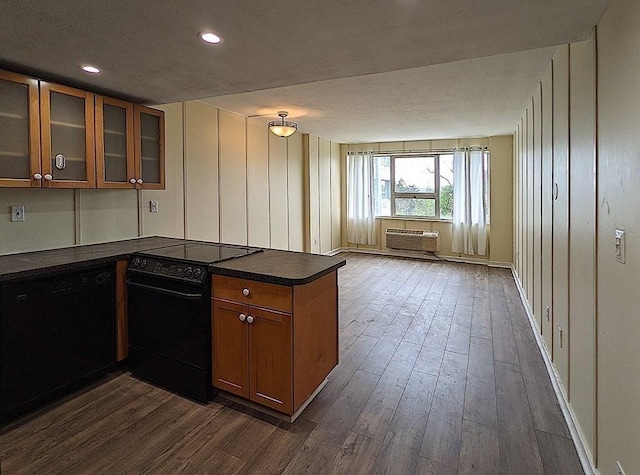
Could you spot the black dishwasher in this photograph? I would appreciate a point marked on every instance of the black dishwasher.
(56, 334)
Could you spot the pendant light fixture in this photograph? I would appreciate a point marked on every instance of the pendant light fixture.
(282, 128)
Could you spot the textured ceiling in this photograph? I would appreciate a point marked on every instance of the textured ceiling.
(149, 50)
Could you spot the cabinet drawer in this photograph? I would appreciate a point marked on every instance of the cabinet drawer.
(260, 294)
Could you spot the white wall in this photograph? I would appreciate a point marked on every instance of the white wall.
(596, 164)
(323, 210)
(618, 179)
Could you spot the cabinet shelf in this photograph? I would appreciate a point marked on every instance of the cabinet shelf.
(13, 154)
(114, 132)
(9, 115)
(67, 124)
(114, 155)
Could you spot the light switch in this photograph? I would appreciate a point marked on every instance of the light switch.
(619, 245)
(153, 206)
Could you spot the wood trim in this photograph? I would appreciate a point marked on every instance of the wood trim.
(34, 131)
(99, 134)
(137, 109)
(315, 335)
(45, 120)
(122, 320)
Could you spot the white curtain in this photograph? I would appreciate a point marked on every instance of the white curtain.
(469, 220)
(361, 223)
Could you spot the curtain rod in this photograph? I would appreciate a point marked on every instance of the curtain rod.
(425, 151)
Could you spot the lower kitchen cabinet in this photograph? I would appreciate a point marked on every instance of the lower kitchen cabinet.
(252, 354)
(270, 356)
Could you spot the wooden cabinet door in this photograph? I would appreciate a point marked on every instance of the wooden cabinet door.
(19, 131)
(230, 347)
(149, 147)
(114, 144)
(68, 149)
(270, 359)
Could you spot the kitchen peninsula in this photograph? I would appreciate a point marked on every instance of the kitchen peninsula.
(278, 356)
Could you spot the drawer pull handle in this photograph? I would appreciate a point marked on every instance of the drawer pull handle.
(242, 317)
(245, 292)
(249, 319)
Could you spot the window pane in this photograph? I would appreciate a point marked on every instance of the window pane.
(382, 186)
(414, 175)
(425, 207)
(446, 186)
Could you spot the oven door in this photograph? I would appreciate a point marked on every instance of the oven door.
(170, 320)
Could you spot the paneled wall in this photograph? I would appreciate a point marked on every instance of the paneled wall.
(589, 177)
(501, 199)
(555, 179)
(228, 180)
(323, 210)
(618, 177)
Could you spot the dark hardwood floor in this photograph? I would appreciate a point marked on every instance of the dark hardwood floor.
(439, 373)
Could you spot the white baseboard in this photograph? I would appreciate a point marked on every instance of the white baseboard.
(426, 257)
(584, 454)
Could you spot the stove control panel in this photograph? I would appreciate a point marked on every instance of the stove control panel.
(186, 272)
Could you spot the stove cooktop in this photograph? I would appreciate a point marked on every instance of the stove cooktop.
(186, 263)
(199, 253)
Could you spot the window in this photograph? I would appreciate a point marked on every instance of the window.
(419, 186)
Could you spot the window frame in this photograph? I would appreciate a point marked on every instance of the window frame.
(435, 195)
(398, 194)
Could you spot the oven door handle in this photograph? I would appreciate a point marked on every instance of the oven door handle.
(160, 290)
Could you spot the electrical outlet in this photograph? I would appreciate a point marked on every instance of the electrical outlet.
(153, 206)
(17, 213)
(619, 470)
(619, 245)
(546, 311)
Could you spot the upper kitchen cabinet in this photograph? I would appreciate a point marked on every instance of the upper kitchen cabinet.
(115, 165)
(149, 147)
(19, 131)
(68, 149)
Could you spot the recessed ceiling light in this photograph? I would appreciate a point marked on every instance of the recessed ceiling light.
(90, 69)
(210, 38)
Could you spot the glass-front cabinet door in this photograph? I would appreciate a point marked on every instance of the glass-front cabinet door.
(115, 165)
(149, 144)
(19, 131)
(68, 153)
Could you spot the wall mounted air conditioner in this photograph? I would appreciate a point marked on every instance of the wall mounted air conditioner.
(412, 240)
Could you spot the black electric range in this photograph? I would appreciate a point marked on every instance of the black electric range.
(169, 298)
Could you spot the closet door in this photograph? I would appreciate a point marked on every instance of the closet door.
(560, 205)
(547, 210)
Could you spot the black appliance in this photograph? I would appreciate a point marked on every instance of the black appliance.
(56, 334)
(169, 292)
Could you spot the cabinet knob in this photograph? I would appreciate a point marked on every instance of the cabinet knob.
(249, 319)
(242, 317)
(245, 292)
(48, 177)
(132, 181)
(139, 181)
(37, 176)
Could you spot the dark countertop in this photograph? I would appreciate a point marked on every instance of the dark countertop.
(39, 263)
(279, 267)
